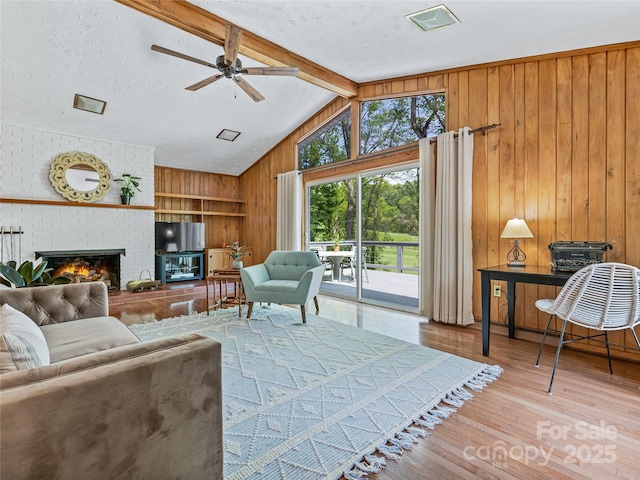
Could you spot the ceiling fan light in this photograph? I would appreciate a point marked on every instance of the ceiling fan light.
(229, 135)
(432, 18)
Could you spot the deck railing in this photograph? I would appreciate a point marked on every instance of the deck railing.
(383, 253)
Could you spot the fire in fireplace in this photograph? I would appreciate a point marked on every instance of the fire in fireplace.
(86, 265)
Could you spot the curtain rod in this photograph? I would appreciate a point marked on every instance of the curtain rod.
(398, 149)
(475, 130)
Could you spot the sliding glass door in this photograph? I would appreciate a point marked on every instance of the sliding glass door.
(365, 230)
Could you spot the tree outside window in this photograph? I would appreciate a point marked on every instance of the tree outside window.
(390, 201)
(331, 143)
(393, 122)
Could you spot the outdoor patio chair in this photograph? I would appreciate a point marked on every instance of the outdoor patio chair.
(328, 264)
(602, 297)
(353, 262)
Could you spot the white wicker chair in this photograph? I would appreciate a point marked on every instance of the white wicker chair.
(602, 297)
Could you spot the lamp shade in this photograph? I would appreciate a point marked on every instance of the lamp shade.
(516, 228)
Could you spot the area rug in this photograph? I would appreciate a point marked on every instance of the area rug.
(322, 400)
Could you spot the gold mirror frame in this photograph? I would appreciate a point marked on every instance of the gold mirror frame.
(65, 161)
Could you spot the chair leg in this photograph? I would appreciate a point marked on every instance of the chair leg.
(544, 337)
(250, 309)
(606, 340)
(636, 337)
(315, 300)
(304, 315)
(555, 364)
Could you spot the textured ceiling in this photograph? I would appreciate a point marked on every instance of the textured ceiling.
(51, 50)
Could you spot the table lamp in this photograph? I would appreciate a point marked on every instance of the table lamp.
(516, 228)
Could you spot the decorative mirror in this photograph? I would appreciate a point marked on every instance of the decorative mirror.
(80, 177)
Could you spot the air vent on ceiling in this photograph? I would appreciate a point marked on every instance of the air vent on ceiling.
(229, 135)
(432, 18)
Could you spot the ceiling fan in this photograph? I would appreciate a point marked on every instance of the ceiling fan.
(230, 66)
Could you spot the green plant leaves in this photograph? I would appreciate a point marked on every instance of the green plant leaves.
(28, 275)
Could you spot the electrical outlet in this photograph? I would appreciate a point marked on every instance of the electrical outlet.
(497, 290)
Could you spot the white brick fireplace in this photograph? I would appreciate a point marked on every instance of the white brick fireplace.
(26, 156)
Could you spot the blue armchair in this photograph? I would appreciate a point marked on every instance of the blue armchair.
(289, 277)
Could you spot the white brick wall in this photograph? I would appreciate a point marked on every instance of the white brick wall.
(25, 158)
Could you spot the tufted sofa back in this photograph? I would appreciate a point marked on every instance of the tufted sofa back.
(59, 303)
(290, 265)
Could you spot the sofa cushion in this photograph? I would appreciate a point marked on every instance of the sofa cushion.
(21, 353)
(17, 323)
(87, 335)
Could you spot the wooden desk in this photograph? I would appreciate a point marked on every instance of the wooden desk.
(541, 275)
(223, 279)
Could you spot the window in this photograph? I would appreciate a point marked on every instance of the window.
(394, 122)
(329, 144)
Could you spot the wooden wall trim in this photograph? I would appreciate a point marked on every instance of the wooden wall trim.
(60, 203)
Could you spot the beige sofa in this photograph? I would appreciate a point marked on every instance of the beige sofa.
(107, 406)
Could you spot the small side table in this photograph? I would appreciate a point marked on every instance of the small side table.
(224, 280)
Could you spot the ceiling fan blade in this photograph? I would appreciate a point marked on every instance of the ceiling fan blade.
(231, 44)
(204, 83)
(160, 49)
(284, 71)
(249, 90)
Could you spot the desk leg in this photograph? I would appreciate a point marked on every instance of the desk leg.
(486, 311)
(511, 308)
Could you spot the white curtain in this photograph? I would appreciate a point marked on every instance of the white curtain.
(445, 237)
(289, 219)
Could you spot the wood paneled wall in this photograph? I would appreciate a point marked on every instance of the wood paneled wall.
(217, 228)
(259, 186)
(566, 157)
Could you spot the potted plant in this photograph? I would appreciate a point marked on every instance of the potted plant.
(336, 242)
(129, 186)
(29, 275)
(237, 252)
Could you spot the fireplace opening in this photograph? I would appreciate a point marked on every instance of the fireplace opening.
(86, 265)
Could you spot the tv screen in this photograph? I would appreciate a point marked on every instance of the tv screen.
(179, 237)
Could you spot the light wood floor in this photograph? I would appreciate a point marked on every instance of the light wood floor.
(588, 428)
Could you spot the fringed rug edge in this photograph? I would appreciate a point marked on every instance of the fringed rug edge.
(403, 440)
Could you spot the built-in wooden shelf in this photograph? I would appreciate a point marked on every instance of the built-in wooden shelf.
(199, 212)
(199, 197)
(200, 209)
(33, 201)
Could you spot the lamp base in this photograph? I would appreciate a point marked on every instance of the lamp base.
(516, 264)
(516, 256)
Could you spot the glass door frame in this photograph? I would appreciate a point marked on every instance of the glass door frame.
(358, 178)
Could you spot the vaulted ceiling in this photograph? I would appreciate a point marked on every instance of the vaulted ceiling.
(51, 50)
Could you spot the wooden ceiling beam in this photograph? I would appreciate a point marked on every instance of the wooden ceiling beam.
(210, 27)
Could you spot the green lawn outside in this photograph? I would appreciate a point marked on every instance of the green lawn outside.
(388, 255)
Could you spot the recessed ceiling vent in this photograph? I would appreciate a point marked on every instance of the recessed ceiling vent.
(229, 135)
(432, 18)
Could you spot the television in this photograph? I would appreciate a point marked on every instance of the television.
(179, 237)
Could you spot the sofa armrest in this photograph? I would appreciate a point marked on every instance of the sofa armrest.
(310, 282)
(254, 275)
(149, 410)
(59, 303)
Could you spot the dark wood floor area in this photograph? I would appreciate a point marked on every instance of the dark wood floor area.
(588, 428)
